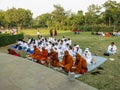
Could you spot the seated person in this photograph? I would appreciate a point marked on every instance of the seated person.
(112, 48)
(36, 53)
(43, 57)
(87, 56)
(80, 66)
(53, 58)
(12, 52)
(67, 62)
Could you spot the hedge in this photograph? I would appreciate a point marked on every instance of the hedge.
(6, 39)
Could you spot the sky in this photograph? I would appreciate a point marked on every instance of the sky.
(39, 7)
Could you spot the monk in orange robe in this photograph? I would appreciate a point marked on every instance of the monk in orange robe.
(43, 56)
(36, 53)
(67, 62)
(80, 66)
(53, 58)
(12, 52)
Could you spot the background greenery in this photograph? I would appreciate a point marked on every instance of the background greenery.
(6, 39)
(104, 16)
(109, 79)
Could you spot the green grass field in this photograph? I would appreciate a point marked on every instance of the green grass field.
(109, 79)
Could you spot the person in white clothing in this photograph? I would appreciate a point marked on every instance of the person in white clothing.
(78, 50)
(87, 56)
(112, 48)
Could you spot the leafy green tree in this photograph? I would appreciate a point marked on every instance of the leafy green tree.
(59, 16)
(112, 13)
(2, 18)
(92, 15)
(19, 17)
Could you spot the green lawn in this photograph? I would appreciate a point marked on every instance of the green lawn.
(109, 79)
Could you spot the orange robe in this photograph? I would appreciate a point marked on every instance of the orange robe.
(36, 53)
(43, 56)
(67, 62)
(54, 58)
(12, 52)
(107, 34)
(80, 66)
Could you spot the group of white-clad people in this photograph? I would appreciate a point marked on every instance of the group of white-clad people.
(58, 46)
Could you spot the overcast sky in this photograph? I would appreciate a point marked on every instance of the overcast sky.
(39, 7)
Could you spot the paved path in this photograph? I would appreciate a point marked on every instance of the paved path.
(20, 74)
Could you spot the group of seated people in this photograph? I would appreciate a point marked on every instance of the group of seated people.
(107, 34)
(57, 53)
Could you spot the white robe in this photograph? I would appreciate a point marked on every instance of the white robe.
(112, 49)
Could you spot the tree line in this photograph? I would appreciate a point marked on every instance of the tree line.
(106, 15)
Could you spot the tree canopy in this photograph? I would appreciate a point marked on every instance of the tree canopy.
(107, 14)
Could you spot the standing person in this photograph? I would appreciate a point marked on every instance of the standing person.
(51, 33)
(55, 32)
(38, 34)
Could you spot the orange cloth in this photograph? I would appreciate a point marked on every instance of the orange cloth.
(54, 58)
(12, 52)
(67, 62)
(44, 55)
(107, 34)
(55, 33)
(36, 53)
(80, 65)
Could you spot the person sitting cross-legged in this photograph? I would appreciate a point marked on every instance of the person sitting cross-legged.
(80, 65)
(112, 48)
(53, 60)
(43, 57)
(36, 53)
(67, 62)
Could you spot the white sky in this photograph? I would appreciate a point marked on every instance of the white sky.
(39, 7)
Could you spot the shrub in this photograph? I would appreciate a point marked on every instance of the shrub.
(6, 39)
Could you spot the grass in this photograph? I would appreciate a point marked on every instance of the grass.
(109, 79)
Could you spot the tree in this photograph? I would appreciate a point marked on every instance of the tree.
(58, 17)
(19, 17)
(2, 18)
(112, 13)
(92, 15)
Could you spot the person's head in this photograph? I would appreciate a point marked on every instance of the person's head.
(78, 56)
(66, 53)
(77, 46)
(112, 43)
(35, 47)
(43, 48)
(9, 49)
(87, 50)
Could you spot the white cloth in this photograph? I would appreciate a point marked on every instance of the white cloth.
(87, 56)
(112, 49)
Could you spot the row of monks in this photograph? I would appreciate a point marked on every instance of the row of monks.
(78, 64)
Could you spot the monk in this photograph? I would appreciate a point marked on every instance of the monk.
(12, 52)
(36, 53)
(67, 62)
(53, 58)
(80, 66)
(43, 56)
